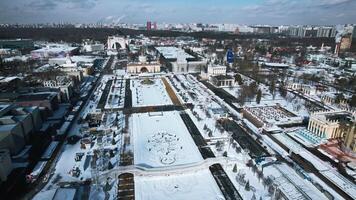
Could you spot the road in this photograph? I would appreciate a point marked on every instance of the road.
(48, 171)
(139, 170)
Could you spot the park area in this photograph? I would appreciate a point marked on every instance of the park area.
(149, 92)
(161, 143)
(194, 185)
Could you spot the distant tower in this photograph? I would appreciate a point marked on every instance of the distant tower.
(154, 25)
(148, 25)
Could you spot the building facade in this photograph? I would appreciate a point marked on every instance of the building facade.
(5, 164)
(214, 70)
(331, 124)
(223, 80)
(16, 125)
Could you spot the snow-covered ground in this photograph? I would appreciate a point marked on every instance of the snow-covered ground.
(162, 139)
(194, 185)
(292, 185)
(291, 102)
(149, 94)
(116, 97)
(323, 167)
(207, 109)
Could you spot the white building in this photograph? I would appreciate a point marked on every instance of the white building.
(90, 46)
(53, 50)
(216, 70)
(117, 42)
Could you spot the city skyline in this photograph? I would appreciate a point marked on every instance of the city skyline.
(273, 12)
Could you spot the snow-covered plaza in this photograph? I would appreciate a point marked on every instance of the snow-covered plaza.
(161, 139)
(194, 185)
(149, 92)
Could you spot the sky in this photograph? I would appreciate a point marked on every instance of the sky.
(273, 12)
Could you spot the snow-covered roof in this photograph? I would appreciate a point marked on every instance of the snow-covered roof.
(173, 52)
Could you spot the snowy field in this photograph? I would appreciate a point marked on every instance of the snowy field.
(149, 94)
(195, 185)
(160, 143)
(291, 102)
(116, 97)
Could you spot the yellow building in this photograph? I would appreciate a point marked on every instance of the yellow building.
(143, 66)
(331, 124)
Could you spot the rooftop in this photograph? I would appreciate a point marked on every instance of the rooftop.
(36, 97)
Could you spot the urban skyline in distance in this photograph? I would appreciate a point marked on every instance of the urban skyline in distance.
(272, 12)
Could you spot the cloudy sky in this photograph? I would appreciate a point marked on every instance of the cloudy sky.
(274, 12)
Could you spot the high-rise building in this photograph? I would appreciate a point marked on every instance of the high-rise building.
(148, 25)
(345, 43)
(324, 32)
(301, 31)
(154, 25)
(333, 32)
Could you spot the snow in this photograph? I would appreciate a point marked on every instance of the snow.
(149, 94)
(63, 128)
(194, 185)
(291, 183)
(116, 95)
(325, 186)
(173, 52)
(64, 194)
(38, 168)
(298, 149)
(346, 185)
(323, 167)
(274, 146)
(45, 195)
(50, 149)
(158, 142)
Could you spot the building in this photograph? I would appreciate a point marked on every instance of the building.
(64, 84)
(148, 25)
(180, 60)
(332, 124)
(324, 32)
(264, 29)
(90, 46)
(143, 66)
(345, 43)
(6, 53)
(5, 164)
(54, 50)
(17, 44)
(10, 83)
(16, 125)
(223, 80)
(73, 69)
(76, 66)
(273, 65)
(303, 88)
(117, 42)
(45, 100)
(214, 70)
(154, 25)
(311, 32)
